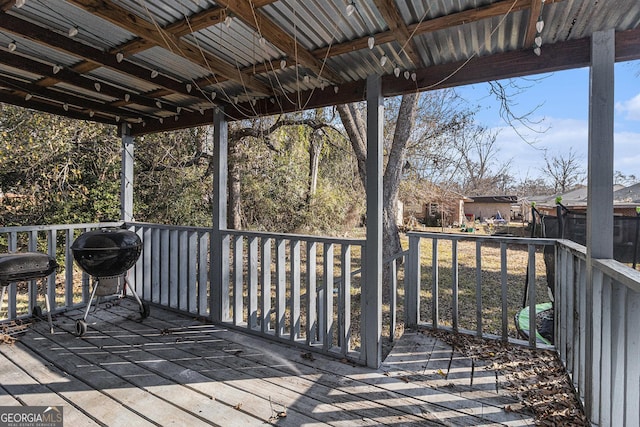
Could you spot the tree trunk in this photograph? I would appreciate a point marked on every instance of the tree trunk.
(315, 148)
(354, 125)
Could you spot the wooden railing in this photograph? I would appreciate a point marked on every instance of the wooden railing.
(306, 291)
(479, 294)
(293, 288)
(598, 335)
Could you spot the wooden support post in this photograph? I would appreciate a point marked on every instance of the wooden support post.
(600, 195)
(126, 175)
(219, 294)
(372, 291)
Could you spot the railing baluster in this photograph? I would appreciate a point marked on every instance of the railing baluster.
(238, 253)
(344, 304)
(312, 303)
(478, 288)
(192, 305)
(183, 272)
(632, 371)
(253, 285)
(604, 372)
(294, 307)
(266, 284)
(173, 268)
(327, 279)
(12, 289)
(412, 283)
(281, 286)
(618, 361)
(503, 288)
(435, 312)
(165, 265)
(203, 273)
(154, 295)
(454, 284)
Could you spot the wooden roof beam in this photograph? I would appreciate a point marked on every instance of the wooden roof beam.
(390, 14)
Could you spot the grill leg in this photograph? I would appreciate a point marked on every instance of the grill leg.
(46, 302)
(96, 283)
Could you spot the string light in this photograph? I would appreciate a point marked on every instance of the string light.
(228, 20)
(537, 41)
(283, 64)
(383, 60)
(537, 51)
(73, 31)
(540, 25)
(56, 69)
(127, 97)
(158, 104)
(12, 46)
(65, 106)
(213, 96)
(350, 9)
(414, 76)
(396, 71)
(262, 41)
(28, 97)
(119, 57)
(91, 113)
(97, 86)
(188, 87)
(154, 74)
(407, 75)
(117, 119)
(371, 42)
(20, 3)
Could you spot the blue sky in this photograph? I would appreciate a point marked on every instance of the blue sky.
(563, 100)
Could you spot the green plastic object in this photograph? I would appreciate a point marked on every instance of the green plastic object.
(522, 320)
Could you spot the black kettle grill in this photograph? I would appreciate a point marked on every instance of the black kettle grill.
(107, 254)
(25, 266)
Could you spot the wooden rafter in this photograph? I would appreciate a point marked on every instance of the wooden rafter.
(397, 27)
(534, 13)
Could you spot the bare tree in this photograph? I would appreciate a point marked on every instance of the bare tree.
(563, 171)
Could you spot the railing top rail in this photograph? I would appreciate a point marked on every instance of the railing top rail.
(250, 233)
(576, 249)
(24, 228)
(483, 238)
(619, 272)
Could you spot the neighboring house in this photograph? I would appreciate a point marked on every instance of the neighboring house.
(625, 200)
(435, 206)
(486, 207)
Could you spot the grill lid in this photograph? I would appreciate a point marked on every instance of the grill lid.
(107, 252)
(20, 266)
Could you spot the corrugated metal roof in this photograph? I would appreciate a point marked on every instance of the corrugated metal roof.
(197, 52)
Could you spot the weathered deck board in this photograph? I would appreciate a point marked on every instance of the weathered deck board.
(172, 369)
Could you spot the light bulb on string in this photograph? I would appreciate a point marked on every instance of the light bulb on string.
(371, 42)
(414, 76)
(12, 46)
(97, 86)
(262, 41)
(154, 74)
(540, 25)
(161, 120)
(350, 9)
(20, 3)
(158, 104)
(537, 41)
(73, 31)
(65, 106)
(383, 60)
(336, 89)
(306, 79)
(407, 75)
(127, 97)
(28, 97)
(56, 69)
(213, 95)
(283, 64)
(537, 51)
(91, 113)
(117, 119)
(396, 71)
(119, 57)
(228, 20)
(188, 87)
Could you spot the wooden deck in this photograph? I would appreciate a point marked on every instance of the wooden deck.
(172, 369)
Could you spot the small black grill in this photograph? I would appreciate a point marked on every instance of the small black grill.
(107, 254)
(23, 266)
